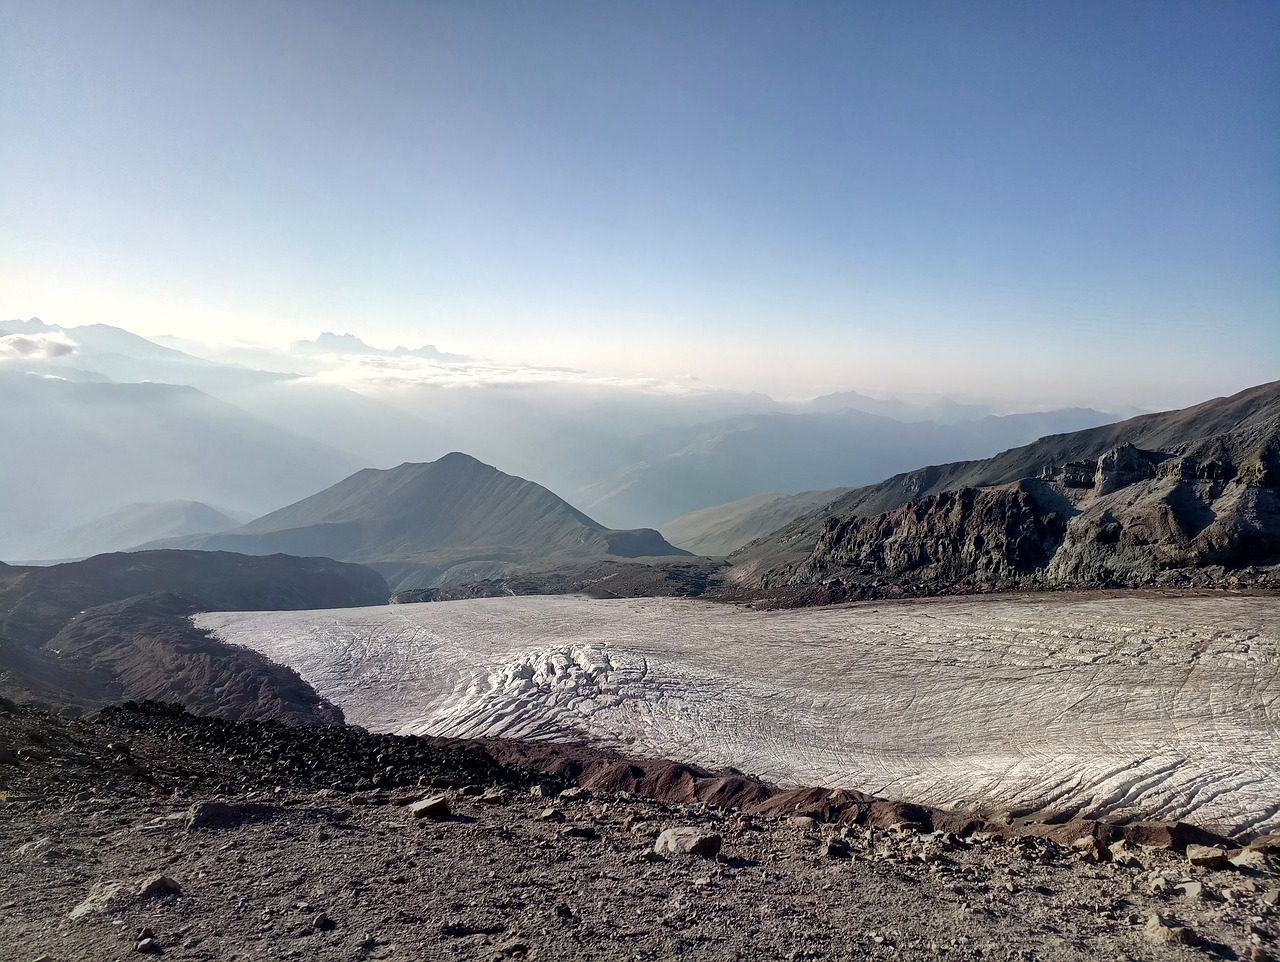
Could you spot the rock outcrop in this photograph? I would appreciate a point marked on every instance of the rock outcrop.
(1203, 508)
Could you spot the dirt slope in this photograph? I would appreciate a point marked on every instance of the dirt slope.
(117, 626)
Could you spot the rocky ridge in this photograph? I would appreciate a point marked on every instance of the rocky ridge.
(118, 626)
(1203, 509)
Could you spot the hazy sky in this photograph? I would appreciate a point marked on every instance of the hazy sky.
(1076, 200)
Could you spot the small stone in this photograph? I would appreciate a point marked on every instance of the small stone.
(147, 945)
(580, 831)
(687, 840)
(158, 885)
(575, 794)
(1158, 885)
(805, 823)
(1271, 896)
(100, 896)
(1163, 931)
(322, 923)
(1091, 849)
(1207, 856)
(1191, 890)
(433, 806)
(494, 796)
(1249, 859)
(1257, 953)
(551, 815)
(542, 791)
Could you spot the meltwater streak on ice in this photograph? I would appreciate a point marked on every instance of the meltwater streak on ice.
(1149, 707)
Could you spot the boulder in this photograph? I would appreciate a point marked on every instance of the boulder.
(1207, 856)
(434, 806)
(158, 885)
(835, 848)
(688, 840)
(99, 898)
(220, 815)
(1164, 931)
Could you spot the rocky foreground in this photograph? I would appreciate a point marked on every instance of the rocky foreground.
(145, 830)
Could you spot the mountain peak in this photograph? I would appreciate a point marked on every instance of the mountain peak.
(330, 343)
(432, 516)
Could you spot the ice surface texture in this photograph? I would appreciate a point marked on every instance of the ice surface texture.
(1131, 706)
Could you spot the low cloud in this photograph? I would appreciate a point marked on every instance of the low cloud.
(14, 347)
(356, 370)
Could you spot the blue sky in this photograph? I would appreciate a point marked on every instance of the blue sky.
(1073, 200)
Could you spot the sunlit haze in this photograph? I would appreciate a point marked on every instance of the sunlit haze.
(1074, 202)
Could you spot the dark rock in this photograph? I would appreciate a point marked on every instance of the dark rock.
(835, 848)
(223, 815)
(158, 885)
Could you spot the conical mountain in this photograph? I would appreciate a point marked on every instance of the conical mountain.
(439, 514)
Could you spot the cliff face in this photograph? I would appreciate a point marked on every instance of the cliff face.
(1129, 518)
(987, 535)
(1225, 440)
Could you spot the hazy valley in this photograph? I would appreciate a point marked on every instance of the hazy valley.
(268, 546)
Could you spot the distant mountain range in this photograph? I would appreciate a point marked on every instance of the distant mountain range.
(725, 528)
(1187, 496)
(429, 524)
(740, 457)
(135, 524)
(98, 418)
(76, 450)
(330, 343)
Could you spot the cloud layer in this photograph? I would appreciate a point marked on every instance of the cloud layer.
(35, 346)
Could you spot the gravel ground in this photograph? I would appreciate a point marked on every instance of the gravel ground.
(113, 847)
